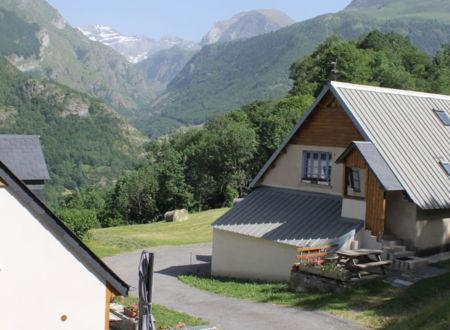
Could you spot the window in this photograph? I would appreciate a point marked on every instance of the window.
(446, 166)
(355, 182)
(354, 179)
(443, 117)
(316, 167)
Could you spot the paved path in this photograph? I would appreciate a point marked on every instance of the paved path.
(226, 313)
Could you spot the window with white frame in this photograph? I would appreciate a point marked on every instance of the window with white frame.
(316, 167)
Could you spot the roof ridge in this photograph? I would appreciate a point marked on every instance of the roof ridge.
(377, 89)
(300, 191)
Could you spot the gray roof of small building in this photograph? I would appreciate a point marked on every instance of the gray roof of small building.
(375, 162)
(60, 230)
(289, 216)
(405, 130)
(23, 155)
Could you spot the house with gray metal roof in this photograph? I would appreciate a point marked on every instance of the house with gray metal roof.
(362, 163)
(43, 262)
(23, 155)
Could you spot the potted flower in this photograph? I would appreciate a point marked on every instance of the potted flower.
(131, 311)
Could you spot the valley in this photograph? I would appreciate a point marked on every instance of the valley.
(267, 134)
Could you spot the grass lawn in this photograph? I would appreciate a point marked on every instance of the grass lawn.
(110, 241)
(424, 305)
(166, 317)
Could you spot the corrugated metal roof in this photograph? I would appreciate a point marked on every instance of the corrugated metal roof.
(289, 216)
(375, 162)
(408, 134)
(23, 155)
(405, 130)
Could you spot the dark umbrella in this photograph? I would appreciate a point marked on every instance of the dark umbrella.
(146, 320)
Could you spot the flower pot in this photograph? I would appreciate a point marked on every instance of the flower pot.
(129, 312)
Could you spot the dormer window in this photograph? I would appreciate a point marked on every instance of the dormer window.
(446, 166)
(316, 167)
(443, 117)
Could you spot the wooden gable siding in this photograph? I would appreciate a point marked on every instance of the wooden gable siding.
(374, 195)
(375, 206)
(327, 126)
(354, 159)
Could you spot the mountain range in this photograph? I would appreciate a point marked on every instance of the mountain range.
(69, 87)
(84, 141)
(246, 25)
(160, 61)
(59, 52)
(224, 76)
(136, 48)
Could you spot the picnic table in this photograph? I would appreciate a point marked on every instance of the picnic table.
(362, 260)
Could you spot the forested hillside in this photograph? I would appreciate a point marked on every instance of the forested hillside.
(161, 67)
(37, 40)
(225, 76)
(22, 38)
(208, 167)
(434, 9)
(85, 142)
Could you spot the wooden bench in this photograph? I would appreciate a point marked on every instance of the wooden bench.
(315, 252)
(373, 264)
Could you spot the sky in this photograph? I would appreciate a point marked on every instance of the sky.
(190, 19)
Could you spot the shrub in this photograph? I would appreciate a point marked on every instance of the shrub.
(113, 222)
(79, 221)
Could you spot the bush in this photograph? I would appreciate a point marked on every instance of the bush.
(79, 221)
(113, 222)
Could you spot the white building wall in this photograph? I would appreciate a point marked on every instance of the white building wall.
(401, 218)
(432, 229)
(288, 170)
(353, 208)
(240, 256)
(40, 280)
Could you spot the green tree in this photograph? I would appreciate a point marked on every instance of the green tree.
(173, 192)
(134, 196)
(79, 221)
(388, 60)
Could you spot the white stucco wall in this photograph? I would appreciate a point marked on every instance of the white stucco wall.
(432, 229)
(400, 218)
(353, 208)
(236, 255)
(288, 170)
(40, 279)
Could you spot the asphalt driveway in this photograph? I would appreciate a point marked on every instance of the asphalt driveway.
(225, 313)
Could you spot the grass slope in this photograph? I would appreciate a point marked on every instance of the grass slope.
(424, 305)
(110, 241)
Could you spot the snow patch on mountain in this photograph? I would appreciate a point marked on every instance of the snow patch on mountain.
(134, 48)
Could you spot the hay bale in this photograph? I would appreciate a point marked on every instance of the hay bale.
(176, 215)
